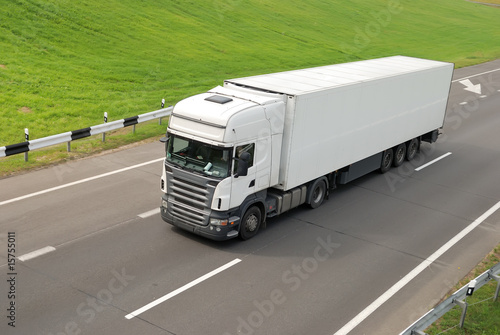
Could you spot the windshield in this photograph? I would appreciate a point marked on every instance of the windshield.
(199, 157)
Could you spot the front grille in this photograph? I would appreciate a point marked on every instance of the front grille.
(189, 194)
(190, 197)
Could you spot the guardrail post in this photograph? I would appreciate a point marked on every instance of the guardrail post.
(162, 106)
(27, 138)
(462, 305)
(417, 332)
(497, 278)
(68, 146)
(105, 121)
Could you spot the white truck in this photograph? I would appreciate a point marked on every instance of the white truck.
(259, 146)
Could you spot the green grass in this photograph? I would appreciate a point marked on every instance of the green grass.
(64, 63)
(483, 314)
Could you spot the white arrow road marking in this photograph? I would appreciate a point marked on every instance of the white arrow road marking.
(469, 86)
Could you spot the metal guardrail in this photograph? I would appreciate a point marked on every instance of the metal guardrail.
(456, 299)
(69, 136)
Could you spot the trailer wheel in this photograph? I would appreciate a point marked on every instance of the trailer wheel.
(250, 223)
(386, 163)
(412, 149)
(318, 192)
(399, 155)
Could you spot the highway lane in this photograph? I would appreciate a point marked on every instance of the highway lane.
(75, 211)
(378, 230)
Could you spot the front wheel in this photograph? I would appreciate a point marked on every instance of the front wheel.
(250, 223)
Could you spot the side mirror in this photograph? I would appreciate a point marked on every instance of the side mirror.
(242, 165)
(165, 140)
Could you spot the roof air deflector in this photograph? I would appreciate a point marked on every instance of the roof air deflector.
(218, 99)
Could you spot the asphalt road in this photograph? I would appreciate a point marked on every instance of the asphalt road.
(308, 272)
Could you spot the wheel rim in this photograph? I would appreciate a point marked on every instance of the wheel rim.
(318, 194)
(400, 155)
(387, 160)
(412, 149)
(251, 223)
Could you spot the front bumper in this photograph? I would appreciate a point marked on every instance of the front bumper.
(216, 233)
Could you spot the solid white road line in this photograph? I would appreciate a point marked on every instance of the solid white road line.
(433, 161)
(415, 272)
(182, 289)
(475, 75)
(36, 253)
(78, 182)
(149, 213)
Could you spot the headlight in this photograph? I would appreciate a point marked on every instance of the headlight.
(218, 222)
(164, 203)
(224, 222)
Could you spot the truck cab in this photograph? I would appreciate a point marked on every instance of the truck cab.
(220, 161)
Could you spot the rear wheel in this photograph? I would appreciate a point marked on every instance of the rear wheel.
(318, 193)
(412, 149)
(399, 155)
(386, 163)
(250, 223)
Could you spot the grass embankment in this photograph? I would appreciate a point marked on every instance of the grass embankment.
(64, 63)
(483, 314)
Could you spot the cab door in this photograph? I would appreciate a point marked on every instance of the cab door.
(243, 186)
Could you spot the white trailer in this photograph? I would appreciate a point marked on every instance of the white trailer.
(261, 145)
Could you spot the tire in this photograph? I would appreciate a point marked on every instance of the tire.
(318, 193)
(399, 155)
(251, 223)
(412, 149)
(386, 163)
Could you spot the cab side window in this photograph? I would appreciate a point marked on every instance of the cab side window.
(240, 152)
